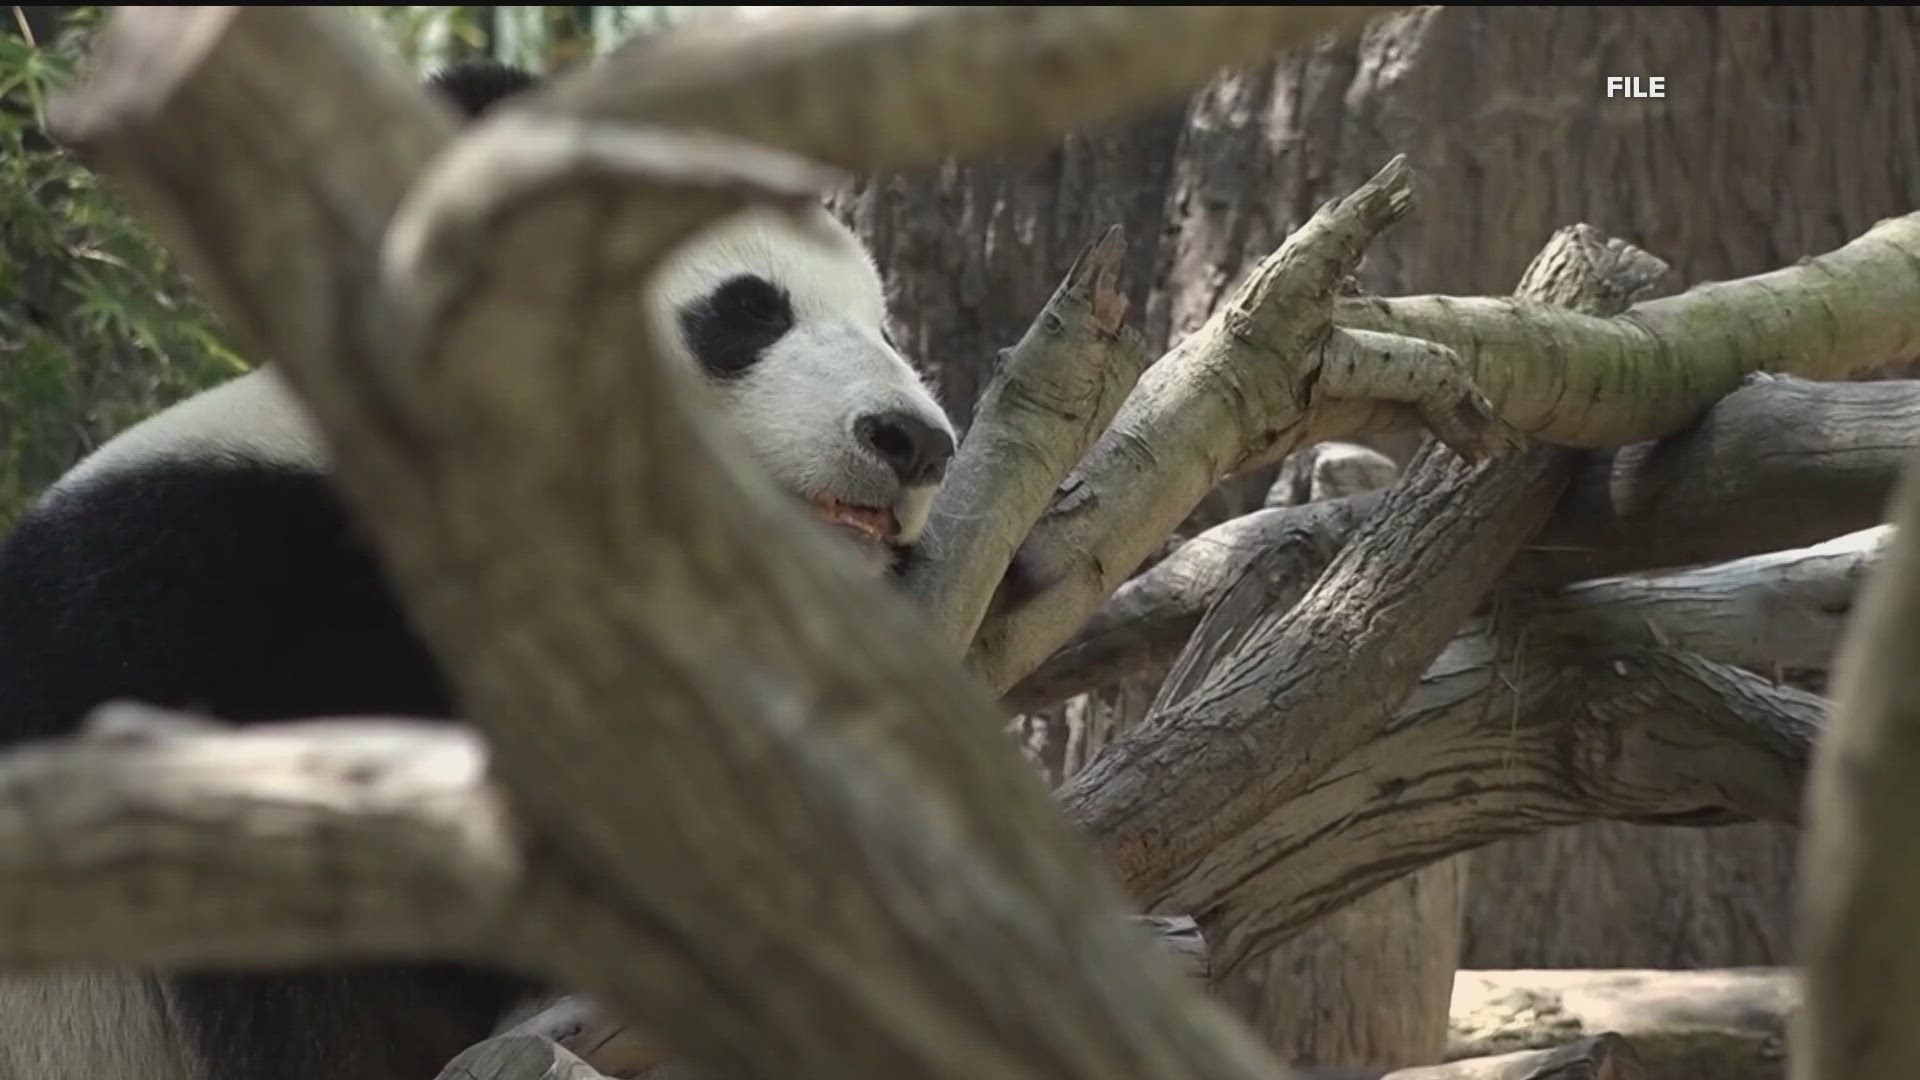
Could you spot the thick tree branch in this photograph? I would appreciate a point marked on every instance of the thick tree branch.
(982, 79)
(1778, 464)
(296, 842)
(1583, 380)
(510, 469)
(1862, 853)
(1142, 630)
(1233, 393)
(1051, 396)
(1605, 359)
(1601, 1057)
(1502, 739)
(1785, 609)
(1336, 665)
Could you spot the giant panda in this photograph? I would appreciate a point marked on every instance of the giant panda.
(200, 561)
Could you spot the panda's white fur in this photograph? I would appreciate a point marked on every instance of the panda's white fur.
(199, 560)
(253, 418)
(796, 407)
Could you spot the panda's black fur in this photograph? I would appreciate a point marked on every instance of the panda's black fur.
(245, 593)
(474, 86)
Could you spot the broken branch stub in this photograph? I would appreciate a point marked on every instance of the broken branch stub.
(1050, 397)
(1237, 392)
(1209, 760)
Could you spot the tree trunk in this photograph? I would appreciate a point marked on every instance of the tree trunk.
(1465, 93)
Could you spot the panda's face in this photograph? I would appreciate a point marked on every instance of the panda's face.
(783, 317)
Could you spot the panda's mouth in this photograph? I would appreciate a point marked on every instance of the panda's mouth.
(874, 524)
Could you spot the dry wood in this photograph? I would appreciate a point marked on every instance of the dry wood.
(1652, 369)
(755, 803)
(1602, 1057)
(1683, 1025)
(1784, 609)
(684, 718)
(1336, 661)
(1861, 853)
(161, 842)
(1778, 464)
(1051, 396)
(982, 79)
(1233, 394)
(1558, 376)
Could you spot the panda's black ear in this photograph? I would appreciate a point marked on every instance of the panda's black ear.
(474, 86)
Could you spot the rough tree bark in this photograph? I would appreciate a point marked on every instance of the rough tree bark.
(1205, 190)
(1862, 967)
(391, 353)
(661, 694)
(1408, 996)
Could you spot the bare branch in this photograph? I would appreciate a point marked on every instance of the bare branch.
(1780, 463)
(1360, 365)
(1859, 879)
(1602, 1057)
(1142, 630)
(1582, 380)
(982, 79)
(1787, 608)
(581, 629)
(1336, 664)
(162, 842)
(1501, 739)
(1233, 393)
(1052, 395)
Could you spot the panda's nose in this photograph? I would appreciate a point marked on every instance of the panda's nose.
(914, 449)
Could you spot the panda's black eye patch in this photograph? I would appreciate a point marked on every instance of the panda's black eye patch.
(733, 326)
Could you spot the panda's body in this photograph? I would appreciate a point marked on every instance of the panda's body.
(202, 561)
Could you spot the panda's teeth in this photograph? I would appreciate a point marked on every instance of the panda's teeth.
(873, 523)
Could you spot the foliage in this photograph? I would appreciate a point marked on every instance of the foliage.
(96, 328)
(540, 38)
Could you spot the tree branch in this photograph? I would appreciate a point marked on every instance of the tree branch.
(1337, 663)
(1861, 850)
(1780, 463)
(1583, 380)
(687, 707)
(1785, 609)
(156, 842)
(1601, 1057)
(1539, 361)
(1051, 396)
(1232, 394)
(1502, 739)
(982, 79)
